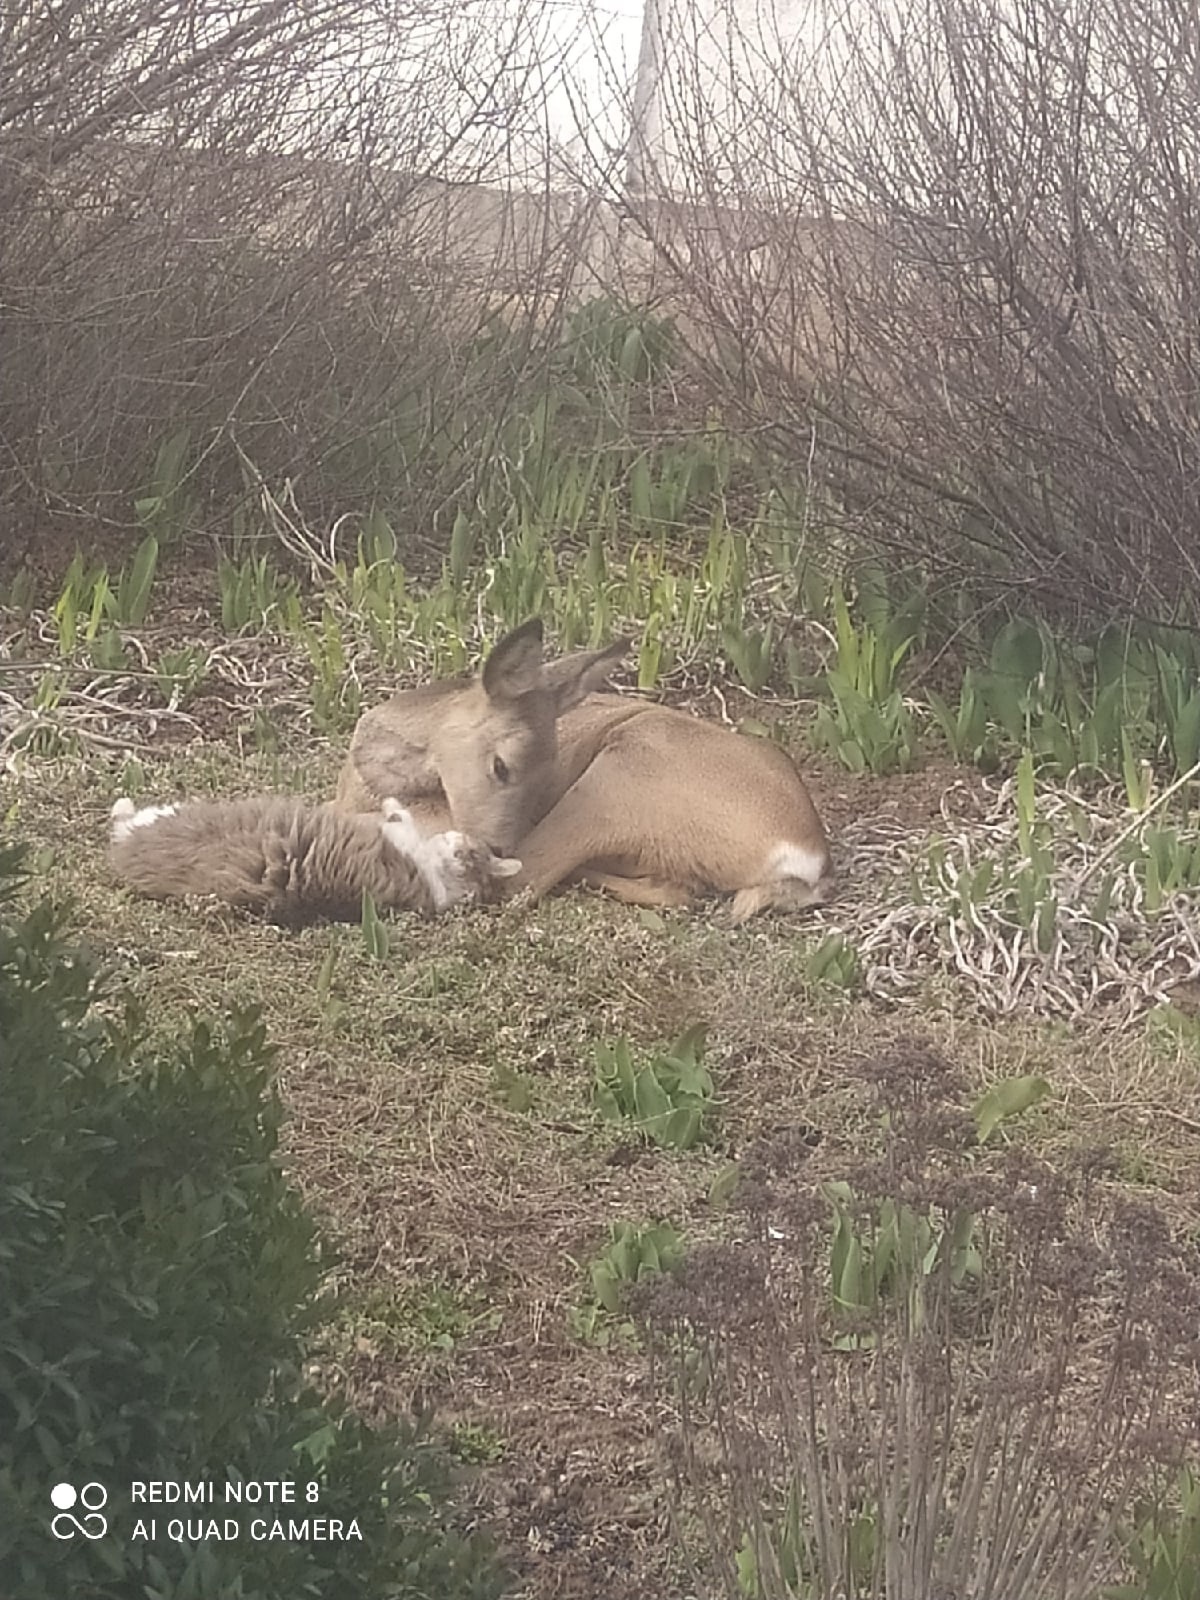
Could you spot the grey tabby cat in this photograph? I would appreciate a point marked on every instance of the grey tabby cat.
(297, 863)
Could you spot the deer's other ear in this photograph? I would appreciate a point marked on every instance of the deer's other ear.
(514, 667)
(572, 677)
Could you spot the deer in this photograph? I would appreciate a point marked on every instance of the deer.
(643, 801)
(298, 863)
(480, 745)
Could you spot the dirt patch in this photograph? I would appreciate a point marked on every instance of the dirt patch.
(916, 800)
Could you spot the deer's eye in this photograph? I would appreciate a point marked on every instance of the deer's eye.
(500, 768)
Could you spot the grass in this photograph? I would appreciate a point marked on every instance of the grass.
(463, 1214)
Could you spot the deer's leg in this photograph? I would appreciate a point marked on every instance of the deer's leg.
(783, 894)
(592, 822)
(654, 892)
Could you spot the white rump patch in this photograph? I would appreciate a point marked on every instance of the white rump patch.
(797, 861)
(125, 818)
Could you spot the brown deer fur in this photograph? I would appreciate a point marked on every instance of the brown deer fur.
(644, 801)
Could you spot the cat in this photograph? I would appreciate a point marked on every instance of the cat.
(297, 863)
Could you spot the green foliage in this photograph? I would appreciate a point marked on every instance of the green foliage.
(179, 673)
(607, 340)
(135, 583)
(1018, 886)
(835, 962)
(869, 727)
(1126, 697)
(157, 1277)
(164, 510)
(425, 1319)
(1029, 897)
(749, 651)
(336, 695)
(885, 1401)
(1165, 861)
(22, 593)
(80, 604)
(374, 930)
(90, 608)
(252, 594)
(786, 1539)
(668, 1096)
(475, 1444)
(1163, 1546)
(1008, 1098)
(965, 728)
(568, 502)
(887, 1247)
(634, 1252)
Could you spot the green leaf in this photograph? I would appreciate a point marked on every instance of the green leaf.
(1026, 803)
(640, 498)
(850, 754)
(1017, 653)
(1006, 1099)
(681, 1129)
(1153, 885)
(1185, 735)
(848, 1289)
(1005, 700)
(374, 932)
(721, 1190)
(133, 591)
(747, 1569)
(633, 358)
(108, 650)
(462, 546)
(649, 1098)
(606, 1286)
(689, 1047)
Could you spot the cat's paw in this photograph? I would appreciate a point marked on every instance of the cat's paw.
(399, 829)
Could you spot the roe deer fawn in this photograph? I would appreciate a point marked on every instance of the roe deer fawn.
(644, 801)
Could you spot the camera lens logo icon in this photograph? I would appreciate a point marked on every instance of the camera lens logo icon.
(91, 1498)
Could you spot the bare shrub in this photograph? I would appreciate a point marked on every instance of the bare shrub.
(259, 225)
(1009, 1357)
(947, 254)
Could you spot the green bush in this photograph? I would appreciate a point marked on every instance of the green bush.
(156, 1278)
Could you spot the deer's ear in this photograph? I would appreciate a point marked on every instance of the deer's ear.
(504, 866)
(572, 677)
(514, 667)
